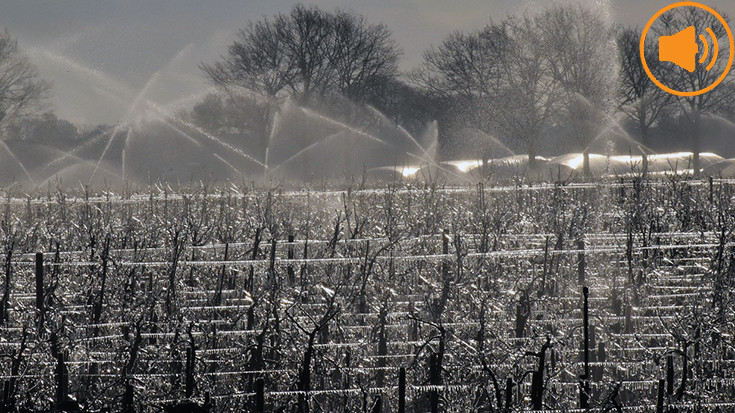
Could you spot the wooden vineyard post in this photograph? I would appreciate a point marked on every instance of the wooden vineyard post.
(628, 318)
(523, 311)
(616, 303)
(586, 320)
(128, 401)
(39, 289)
(303, 272)
(592, 343)
(508, 394)
(192, 258)
(378, 405)
(660, 399)
(62, 380)
(152, 340)
(382, 347)
(272, 265)
(601, 358)
(581, 261)
(97, 315)
(290, 270)
(190, 372)
(260, 395)
(15, 365)
(413, 325)
(435, 380)
(5, 305)
(670, 375)
(583, 394)
(39, 281)
(629, 253)
(537, 383)
(445, 251)
(543, 290)
(536, 391)
(402, 390)
(684, 372)
(221, 280)
(61, 373)
(592, 348)
(366, 267)
(253, 257)
(584, 386)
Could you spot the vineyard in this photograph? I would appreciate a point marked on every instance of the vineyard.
(609, 296)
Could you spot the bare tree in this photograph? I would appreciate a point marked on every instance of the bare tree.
(713, 102)
(21, 91)
(581, 42)
(210, 113)
(232, 114)
(466, 73)
(531, 95)
(518, 75)
(306, 33)
(465, 66)
(256, 61)
(307, 53)
(640, 99)
(365, 56)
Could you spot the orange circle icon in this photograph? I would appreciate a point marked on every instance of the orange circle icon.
(677, 53)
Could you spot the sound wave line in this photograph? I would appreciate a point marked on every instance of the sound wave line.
(715, 47)
(705, 53)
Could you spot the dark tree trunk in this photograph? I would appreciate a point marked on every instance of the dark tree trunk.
(696, 138)
(587, 170)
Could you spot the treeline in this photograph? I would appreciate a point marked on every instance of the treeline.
(563, 78)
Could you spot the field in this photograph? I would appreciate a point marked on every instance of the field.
(609, 296)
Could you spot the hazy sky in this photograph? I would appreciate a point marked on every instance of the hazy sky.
(107, 59)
